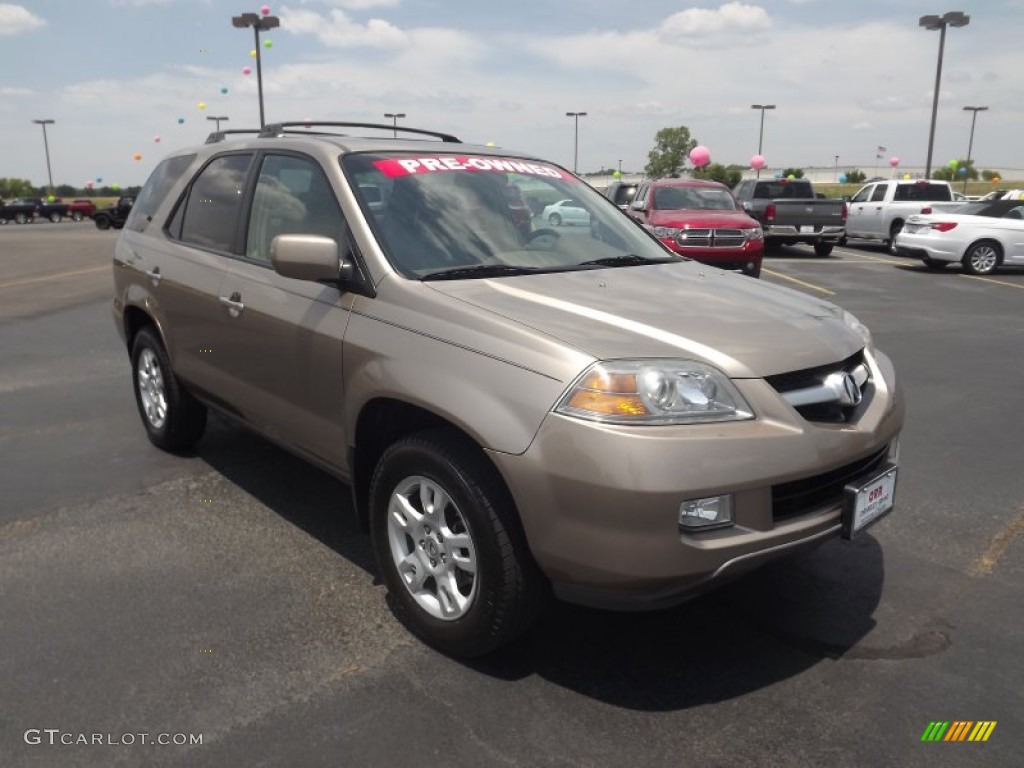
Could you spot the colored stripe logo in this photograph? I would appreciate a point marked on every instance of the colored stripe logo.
(958, 730)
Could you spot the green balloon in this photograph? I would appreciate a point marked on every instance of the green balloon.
(953, 163)
(268, 43)
(617, 175)
(50, 198)
(115, 187)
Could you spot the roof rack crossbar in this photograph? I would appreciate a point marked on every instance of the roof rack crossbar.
(273, 129)
(217, 136)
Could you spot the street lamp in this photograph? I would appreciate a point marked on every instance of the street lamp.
(257, 23)
(837, 169)
(218, 119)
(760, 135)
(394, 121)
(951, 19)
(970, 144)
(46, 146)
(576, 141)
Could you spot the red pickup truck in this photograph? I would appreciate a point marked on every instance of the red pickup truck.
(702, 220)
(81, 209)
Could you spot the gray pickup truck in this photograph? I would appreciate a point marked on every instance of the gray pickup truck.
(790, 213)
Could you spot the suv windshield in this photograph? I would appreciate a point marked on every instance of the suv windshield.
(678, 198)
(452, 213)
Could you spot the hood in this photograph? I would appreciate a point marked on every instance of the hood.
(741, 325)
(695, 218)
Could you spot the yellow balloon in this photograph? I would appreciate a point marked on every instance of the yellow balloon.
(201, 105)
(252, 54)
(906, 176)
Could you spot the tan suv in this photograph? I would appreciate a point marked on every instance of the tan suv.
(518, 410)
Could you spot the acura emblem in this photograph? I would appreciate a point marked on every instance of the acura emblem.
(851, 392)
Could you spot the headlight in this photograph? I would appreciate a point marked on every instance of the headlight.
(857, 327)
(753, 234)
(654, 392)
(665, 231)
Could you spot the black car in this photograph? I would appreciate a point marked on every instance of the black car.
(621, 193)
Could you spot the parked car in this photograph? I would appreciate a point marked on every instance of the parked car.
(621, 193)
(565, 212)
(81, 209)
(116, 215)
(18, 212)
(878, 211)
(579, 412)
(981, 236)
(702, 220)
(42, 209)
(790, 212)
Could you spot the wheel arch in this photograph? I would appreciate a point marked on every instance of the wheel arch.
(1000, 250)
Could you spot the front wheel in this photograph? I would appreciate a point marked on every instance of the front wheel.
(173, 418)
(445, 534)
(102, 222)
(55, 217)
(76, 216)
(981, 259)
(823, 249)
(20, 218)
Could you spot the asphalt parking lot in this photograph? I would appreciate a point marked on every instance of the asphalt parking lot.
(229, 594)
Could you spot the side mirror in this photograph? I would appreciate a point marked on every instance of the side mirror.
(638, 205)
(308, 257)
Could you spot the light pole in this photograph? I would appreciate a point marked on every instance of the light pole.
(837, 169)
(218, 119)
(46, 146)
(951, 19)
(970, 144)
(257, 23)
(576, 141)
(760, 134)
(394, 121)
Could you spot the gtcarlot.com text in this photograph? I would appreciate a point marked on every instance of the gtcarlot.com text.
(57, 737)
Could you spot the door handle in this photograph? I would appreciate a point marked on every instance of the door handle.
(878, 207)
(233, 303)
(154, 275)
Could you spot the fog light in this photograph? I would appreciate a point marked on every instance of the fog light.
(710, 512)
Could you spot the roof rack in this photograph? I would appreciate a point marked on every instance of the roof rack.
(217, 136)
(276, 129)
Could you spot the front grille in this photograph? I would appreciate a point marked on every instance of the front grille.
(801, 496)
(829, 412)
(711, 238)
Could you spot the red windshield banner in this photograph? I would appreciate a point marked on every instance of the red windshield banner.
(408, 166)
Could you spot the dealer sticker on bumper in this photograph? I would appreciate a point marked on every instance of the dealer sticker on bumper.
(866, 502)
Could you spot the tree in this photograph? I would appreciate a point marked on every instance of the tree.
(952, 172)
(718, 172)
(10, 188)
(855, 176)
(796, 173)
(668, 158)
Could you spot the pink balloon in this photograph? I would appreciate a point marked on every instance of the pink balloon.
(246, 70)
(88, 185)
(156, 139)
(265, 10)
(757, 162)
(894, 161)
(700, 156)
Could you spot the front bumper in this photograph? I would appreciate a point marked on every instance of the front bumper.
(600, 503)
(747, 258)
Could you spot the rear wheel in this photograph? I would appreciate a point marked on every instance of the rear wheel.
(102, 222)
(895, 229)
(555, 220)
(173, 418)
(55, 217)
(76, 216)
(445, 533)
(823, 249)
(20, 218)
(982, 258)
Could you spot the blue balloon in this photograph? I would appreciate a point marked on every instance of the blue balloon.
(99, 179)
(842, 178)
(181, 120)
(962, 170)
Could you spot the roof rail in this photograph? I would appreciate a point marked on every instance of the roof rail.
(217, 136)
(276, 129)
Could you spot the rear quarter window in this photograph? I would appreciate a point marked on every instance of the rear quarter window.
(155, 190)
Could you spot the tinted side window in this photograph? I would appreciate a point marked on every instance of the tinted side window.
(879, 195)
(164, 176)
(862, 195)
(292, 197)
(210, 217)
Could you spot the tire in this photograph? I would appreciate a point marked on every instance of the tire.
(894, 229)
(934, 264)
(982, 258)
(555, 220)
(842, 240)
(20, 218)
(102, 222)
(173, 418)
(55, 217)
(460, 578)
(76, 216)
(823, 249)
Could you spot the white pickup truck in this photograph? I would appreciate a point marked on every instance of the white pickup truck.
(878, 210)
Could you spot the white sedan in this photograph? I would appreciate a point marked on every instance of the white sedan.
(566, 212)
(982, 236)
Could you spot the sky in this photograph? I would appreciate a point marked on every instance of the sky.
(846, 76)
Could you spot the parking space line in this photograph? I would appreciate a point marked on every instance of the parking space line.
(881, 260)
(990, 280)
(51, 276)
(812, 286)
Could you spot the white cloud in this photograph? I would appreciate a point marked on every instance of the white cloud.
(8, 90)
(337, 30)
(15, 19)
(863, 126)
(357, 5)
(731, 17)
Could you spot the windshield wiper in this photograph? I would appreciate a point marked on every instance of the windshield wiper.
(625, 260)
(481, 270)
